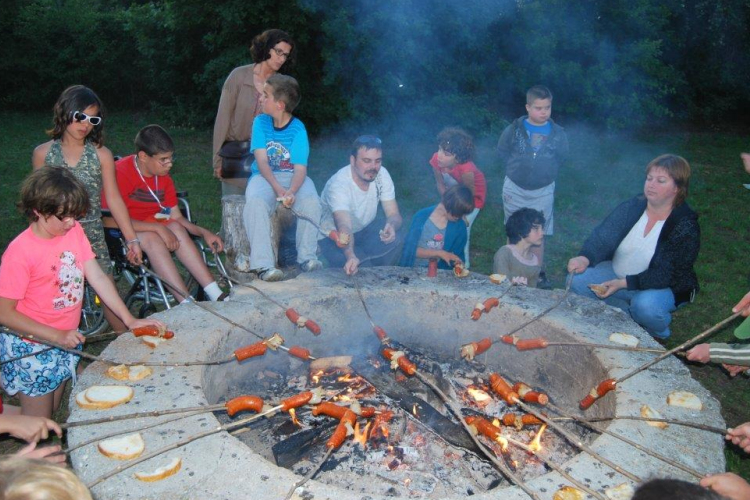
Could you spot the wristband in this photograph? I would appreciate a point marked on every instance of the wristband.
(134, 240)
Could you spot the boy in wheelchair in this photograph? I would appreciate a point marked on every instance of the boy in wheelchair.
(161, 228)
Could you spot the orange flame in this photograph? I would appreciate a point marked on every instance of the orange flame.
(316, 377)
(361, 437)
(496, 422)
(414, 410)
(293, 414)
(503, 442)
(536, 444)
(345, 378)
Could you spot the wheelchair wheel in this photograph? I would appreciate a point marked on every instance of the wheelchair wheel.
(146, 310)
(92, 313)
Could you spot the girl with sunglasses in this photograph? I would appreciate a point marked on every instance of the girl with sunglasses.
(77, 144)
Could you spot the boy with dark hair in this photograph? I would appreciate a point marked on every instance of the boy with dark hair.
(151, 200)
(517, 260)
(279, 173)
(452, 164)
(439, 232)
(533, 147)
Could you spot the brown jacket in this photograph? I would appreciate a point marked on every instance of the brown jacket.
(238, 107)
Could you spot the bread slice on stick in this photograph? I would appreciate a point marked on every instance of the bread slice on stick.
(173, 467)
(122, 448)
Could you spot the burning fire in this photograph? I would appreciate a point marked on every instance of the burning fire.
(536, 443)
(481, 397)
(293, 414)
(414, 410)
(496, 423)
(361, 437)
(316, 377)
(345, 378)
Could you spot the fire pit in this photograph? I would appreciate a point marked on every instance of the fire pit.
(425, 454)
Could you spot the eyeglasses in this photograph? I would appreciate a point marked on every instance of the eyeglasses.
(65, 218)
(80, 116)
(281, 53)
(164, 161)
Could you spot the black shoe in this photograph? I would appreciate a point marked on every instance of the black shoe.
(543, 282)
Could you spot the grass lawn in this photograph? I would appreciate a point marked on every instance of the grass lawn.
(603, 170)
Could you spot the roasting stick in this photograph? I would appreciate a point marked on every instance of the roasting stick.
(632, 443)
(89, 340)
(310, 474)
(610, 384)
(210, 310)
(144, 414)
(707, 428)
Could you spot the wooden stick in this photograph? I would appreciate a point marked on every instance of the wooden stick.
(178, 444)
(143, 414)
(707, 428)
(362, 299)
(606, 346)
(632, 443)
(684, 345)
(537, 317)
(450, 404)
(309, 475)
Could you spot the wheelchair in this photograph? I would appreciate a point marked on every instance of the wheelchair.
(146, 291)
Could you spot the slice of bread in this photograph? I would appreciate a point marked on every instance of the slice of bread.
(624, 491)
(568, 493)
(497, 278)
(648, 412)
(118, 372)
(684, 399)
(598, 290)
(152, 342)
(139, 372)
(108, 396)
(162, 472)
(624, 339)
(122, 448)
(84, 403)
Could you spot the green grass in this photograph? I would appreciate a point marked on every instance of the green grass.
(603, 170)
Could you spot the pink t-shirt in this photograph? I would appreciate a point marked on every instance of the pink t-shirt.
(480, 184)
(45, 276)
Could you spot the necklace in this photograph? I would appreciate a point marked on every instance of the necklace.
(164, 211)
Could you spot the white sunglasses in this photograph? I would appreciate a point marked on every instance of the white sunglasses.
(80, 116)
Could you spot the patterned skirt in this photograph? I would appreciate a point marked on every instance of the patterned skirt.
(34, 375)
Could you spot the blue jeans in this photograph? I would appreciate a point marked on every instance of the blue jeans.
(649, 308)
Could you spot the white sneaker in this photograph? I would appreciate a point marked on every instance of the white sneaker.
(271, 274)
(311, 265)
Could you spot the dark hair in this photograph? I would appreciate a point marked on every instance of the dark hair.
(458, 200)
(153, 139)
(285, 89)
(53, 191)
(367, 142)
(457, 142)
(72, 99)
(673, 489)
(520, 223)
(260, 48)
(538, 92)
(678, 169)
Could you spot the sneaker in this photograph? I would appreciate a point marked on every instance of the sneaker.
(271, 274)
(311, 265)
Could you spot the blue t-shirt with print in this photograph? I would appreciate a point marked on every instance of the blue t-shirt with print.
(286, 146)
(537, 133)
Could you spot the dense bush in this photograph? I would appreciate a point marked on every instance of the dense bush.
(412, 64)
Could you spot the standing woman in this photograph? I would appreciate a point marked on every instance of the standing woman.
(272, 51)
(642, 255)
(77, 143)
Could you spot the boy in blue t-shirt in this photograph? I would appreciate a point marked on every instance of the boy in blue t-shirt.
(279, 173)
(533, 147)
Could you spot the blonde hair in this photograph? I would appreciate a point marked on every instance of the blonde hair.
(25, 479)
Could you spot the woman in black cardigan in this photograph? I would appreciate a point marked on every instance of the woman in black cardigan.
(642, 255)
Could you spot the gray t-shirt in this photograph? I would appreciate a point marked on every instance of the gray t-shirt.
(506, 263)
(432, 238)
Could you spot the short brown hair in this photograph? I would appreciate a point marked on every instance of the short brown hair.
(25, 479)
(678, 169)
(53, 191)
(457, 142)
(285, 89)
(458, 200)
(538, 92)
(260, 48)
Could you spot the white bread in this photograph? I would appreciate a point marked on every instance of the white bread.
(624, 491)
(648, 412)
(162, 472)
(624, 339)
(108, 396)
(152, 342)
(497, 278)
(139, 372)
(568, 493)
(684, 399)
(118, 372)
(122, 448)
(84, 403)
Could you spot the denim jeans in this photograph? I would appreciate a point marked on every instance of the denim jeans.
(649, 308)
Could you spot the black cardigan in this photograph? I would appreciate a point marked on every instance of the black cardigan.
(676, 249)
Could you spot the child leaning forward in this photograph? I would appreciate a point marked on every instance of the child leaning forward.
(517, 260)
(439, 232)
(41, 285)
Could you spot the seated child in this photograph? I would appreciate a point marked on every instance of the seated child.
(41, 286)
(517, 260)
(151, 200)
(279, 172)
(439, 232)
(452, 165)
(22, 479)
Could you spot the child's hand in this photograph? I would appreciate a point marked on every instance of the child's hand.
(71, 339)
(578, 264)
(135, 254)
(740, 436)
(169, 239)
(51, 454)
(136, 323)
(699, 353)
(213, 241)
(450, 258)
(30, 429)
(728, 485)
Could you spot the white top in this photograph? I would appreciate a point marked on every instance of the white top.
(342, 194)
(635, 251)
